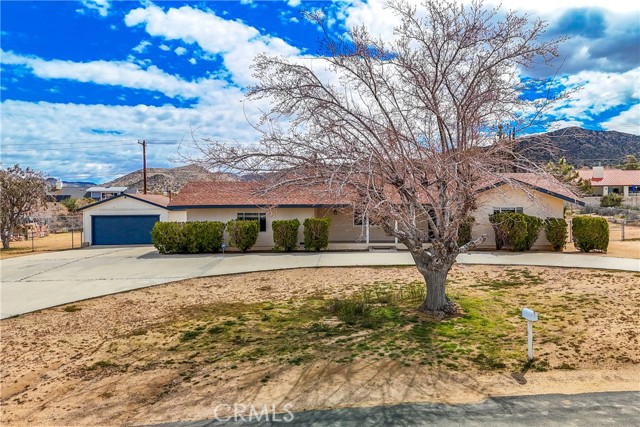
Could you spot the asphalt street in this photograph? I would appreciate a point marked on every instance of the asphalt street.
(619, 409)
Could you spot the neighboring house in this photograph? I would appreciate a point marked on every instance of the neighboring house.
(125, 219)
(612, 181)
(64, 193)
(102, 193)
(224, 201)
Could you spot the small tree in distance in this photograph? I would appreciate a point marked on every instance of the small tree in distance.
(22, 192)
(406, 128)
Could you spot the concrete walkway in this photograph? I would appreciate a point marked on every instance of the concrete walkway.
(45, 280)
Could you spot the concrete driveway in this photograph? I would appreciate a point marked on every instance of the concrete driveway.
(39, 281)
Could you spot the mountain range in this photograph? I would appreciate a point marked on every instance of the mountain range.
(580, 147)
(161, 180)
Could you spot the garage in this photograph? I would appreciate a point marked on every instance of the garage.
(122, 229)
(126, 219)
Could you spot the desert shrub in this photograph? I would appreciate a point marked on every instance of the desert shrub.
(464, 231)
(169, 237)
(517, 230)
(556, 231)
(243, 234)
(590, 232)
(611, 200)
(534, 226)
(316, 233)
(203, 236)
(285, 234)
(187, 237)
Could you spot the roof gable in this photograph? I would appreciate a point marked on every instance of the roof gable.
(152, 199)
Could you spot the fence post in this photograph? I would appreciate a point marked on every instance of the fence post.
(622, 230)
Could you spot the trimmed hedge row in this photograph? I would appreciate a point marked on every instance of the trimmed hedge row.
(285, 234)
(243, 234)
(316, 233)
(590, 233)
(556, 231)
(517, 230)
(187, 237)
(208, 236)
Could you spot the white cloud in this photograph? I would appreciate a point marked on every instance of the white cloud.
(142, 46)
(599, 92)
(193, 61)
(180, 51)
(294, 3)
(235, 41)
(100, 6)
(63, 139)
(116, 73)
(627, 121)
(165, 47)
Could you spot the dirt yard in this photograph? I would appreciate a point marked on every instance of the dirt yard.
(52, 242)
(317, 338)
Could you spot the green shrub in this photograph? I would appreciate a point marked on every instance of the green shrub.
(169, 237)
(464, 231)
(203, 236)
(534, 226)
(611, 200)
(590, 232)
(285, 234)
(187, 237)
(243, 234)
(316, 233)
(556, 231)
(517, 230)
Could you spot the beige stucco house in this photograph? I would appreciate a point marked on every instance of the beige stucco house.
(224, 201)
(612, 181)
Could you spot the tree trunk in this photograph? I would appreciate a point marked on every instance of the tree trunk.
(5, 240)
(436, 302)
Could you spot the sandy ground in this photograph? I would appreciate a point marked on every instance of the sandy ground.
(45, 355)
(52, 242)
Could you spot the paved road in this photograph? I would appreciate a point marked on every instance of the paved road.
(620, 409)
(39, 281)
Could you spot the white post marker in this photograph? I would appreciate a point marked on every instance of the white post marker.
(531, 317)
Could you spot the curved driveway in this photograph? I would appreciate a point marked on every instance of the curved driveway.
(39, 281)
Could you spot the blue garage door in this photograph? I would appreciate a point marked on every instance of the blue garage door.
(122, 229)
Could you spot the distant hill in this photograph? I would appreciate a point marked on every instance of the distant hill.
(581, 147)
(160, 180)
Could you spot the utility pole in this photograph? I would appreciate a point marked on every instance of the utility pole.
(144, 164)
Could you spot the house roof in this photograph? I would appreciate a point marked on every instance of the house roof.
(152, 199)
(100, 189)
(75, 192)
(544, 184)
(210, 194)
(612, 177)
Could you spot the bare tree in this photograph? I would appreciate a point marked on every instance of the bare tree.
(407, 128)
(22, 192)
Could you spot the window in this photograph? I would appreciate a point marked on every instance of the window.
(516, 210)
(634, 189)
(358, 217)
(262, 217)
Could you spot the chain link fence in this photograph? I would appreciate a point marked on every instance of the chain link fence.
(47, 233)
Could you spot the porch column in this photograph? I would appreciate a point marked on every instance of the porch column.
(625, 190)
(396, 227)
(366, 225)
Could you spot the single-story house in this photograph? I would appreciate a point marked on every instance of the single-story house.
(102, 193)
(63, 193)
(613, 181)
(125, 219)
(224, 201)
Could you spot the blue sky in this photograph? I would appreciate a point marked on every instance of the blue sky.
(82, 81)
